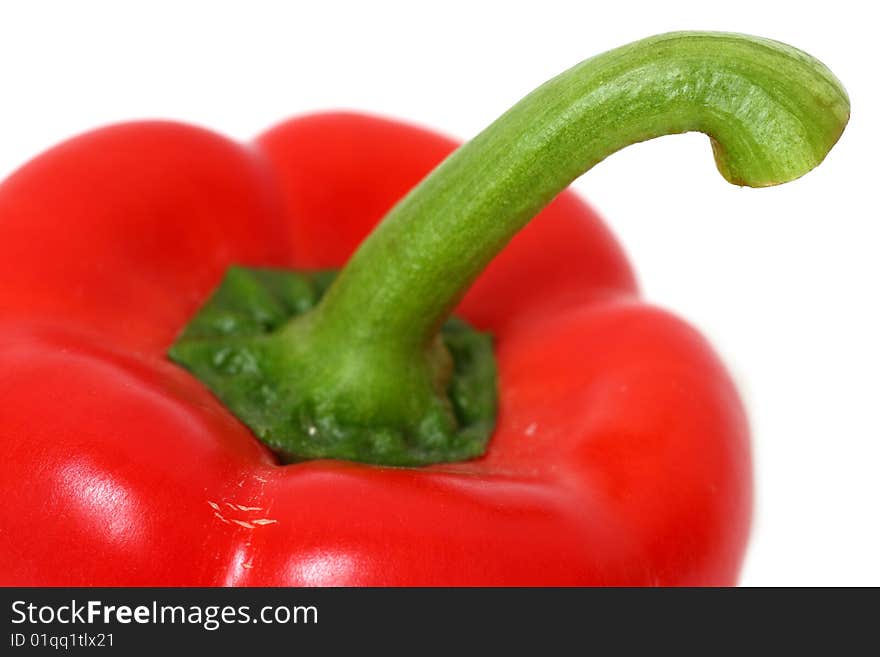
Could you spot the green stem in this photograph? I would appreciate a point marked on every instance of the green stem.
(368, 374)
(772, 111)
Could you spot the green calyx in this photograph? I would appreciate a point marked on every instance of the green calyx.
(243, 345)
(372, 370)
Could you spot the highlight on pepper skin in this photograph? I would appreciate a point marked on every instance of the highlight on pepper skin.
(354, 352)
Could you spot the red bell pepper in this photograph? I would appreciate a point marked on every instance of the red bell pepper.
(620, 454)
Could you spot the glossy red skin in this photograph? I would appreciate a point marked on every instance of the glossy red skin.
(621, 454)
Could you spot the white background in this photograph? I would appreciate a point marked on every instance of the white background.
(784, 281)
